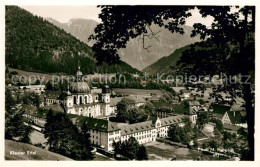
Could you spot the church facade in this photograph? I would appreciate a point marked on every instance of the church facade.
(81, 100)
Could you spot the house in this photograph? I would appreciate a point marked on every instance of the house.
(138, 100)
(34, 88)
(235, 118)
(113, 103)
(38, 117)
(232, 128)
(185, 94)
(219, 111)
(52, 97)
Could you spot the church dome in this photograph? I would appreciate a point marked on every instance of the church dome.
(80, 87)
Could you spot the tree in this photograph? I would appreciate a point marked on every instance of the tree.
(202, 118)
(48, 128)
(132, 146)
(25, 136)
(142, 154)
(196, 144)
(213, 144)
(14, 120)
(66, 139)
(85, 144)
(31, 98)
(9, 101)
(174, 133)
(130, 149)
(228, 44)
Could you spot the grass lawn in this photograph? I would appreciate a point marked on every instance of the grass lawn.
(162, 151)
(100, 157)
(41, 154)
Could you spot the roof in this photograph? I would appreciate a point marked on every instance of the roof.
(136, 98)
(80, 87)
(29, 108)
(135, 128)
(172, 120)
(235, 117)
(54, 107)
(236, 107)
(114, 101)
(231, 127)
(52, 94)
(32, 110)
(218, 116)
(194, 103)
(176, 108)
(177, 89)
(95, 124)
(185, 91)
(96, 90)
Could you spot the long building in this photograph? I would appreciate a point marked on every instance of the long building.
(104, 132)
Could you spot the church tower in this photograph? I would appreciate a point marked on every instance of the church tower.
(106, 99)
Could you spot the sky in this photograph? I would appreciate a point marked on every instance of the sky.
(64, 13)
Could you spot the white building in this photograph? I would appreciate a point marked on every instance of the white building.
(103, 132)
(82, 100)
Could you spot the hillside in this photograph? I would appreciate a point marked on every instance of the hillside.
(133, 54)
(41, 154)
(163, 65)
(34, 44)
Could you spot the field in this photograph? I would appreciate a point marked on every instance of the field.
(137, 91)
(41, 154)
(46, 78)
(161, 151)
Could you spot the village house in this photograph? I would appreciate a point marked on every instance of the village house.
(235, 118)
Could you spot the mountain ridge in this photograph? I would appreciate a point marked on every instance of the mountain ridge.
(134, 54)
(34, 44)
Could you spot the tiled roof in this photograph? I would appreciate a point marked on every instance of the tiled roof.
(136, 98)
(96, 124)
(54, 107)
(114, 101)
(172, 120)
(135, 128)
(235, 117)
(231, 127)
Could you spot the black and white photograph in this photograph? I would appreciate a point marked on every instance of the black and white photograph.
(129, 82)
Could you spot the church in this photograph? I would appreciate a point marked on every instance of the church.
(81, 100)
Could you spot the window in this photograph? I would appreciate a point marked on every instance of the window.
(111, 133)
(75, 100)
